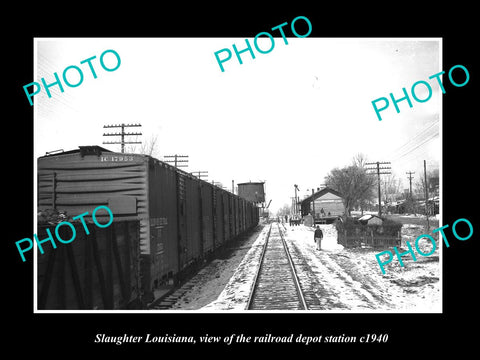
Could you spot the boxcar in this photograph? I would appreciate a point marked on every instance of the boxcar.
(96, 271)
(181, 219)
(207, 221)
(219, 219)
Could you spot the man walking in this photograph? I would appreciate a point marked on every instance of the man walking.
(318, 236)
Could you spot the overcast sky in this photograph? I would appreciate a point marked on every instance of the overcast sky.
(286, 117)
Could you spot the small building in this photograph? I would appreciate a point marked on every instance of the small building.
(325, 203)
(370, 220)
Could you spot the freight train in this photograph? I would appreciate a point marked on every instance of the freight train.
(166, 222)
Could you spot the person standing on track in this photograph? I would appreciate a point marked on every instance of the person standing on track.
(318, 236)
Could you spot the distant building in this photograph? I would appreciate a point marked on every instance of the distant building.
(324, 203)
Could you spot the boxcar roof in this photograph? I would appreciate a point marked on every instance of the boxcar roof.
(98, 150)
(90, 149)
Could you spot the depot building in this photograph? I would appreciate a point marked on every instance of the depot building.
(324, 205)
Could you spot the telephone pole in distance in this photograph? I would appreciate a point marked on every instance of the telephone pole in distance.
(410, 177)
(200, 174)
(176, 162)
(380, 170)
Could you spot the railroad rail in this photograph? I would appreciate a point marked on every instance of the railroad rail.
(276, 285)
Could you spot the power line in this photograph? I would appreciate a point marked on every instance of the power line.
(407, 159)
(433, 136)
(422, 133)
(419, 138)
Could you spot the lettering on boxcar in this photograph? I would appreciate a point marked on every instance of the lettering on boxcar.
(116, 158)
(160, 221)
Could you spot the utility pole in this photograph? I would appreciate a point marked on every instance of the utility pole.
(177, 163)
(383, 172)
(218, 184)
(200, 174)
(410, 177)
(122, 135)
(296, 198)
(426, 193)
(313, 206)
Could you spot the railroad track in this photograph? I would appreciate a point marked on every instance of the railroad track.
(276, 285)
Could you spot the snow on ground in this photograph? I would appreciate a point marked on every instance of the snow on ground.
(345, 279)
(205, 289)
(352, 279)
(236, 292)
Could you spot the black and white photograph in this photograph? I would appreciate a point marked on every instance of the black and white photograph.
(273, 183)
(265, 216)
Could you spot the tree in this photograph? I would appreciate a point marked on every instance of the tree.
(284, 210)
(392, 189)
(354, 184)
(433, 183)
(419, 193)
(148, 147)
(359, 160)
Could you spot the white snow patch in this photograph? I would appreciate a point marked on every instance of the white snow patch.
(235, 294)
(350, 279)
